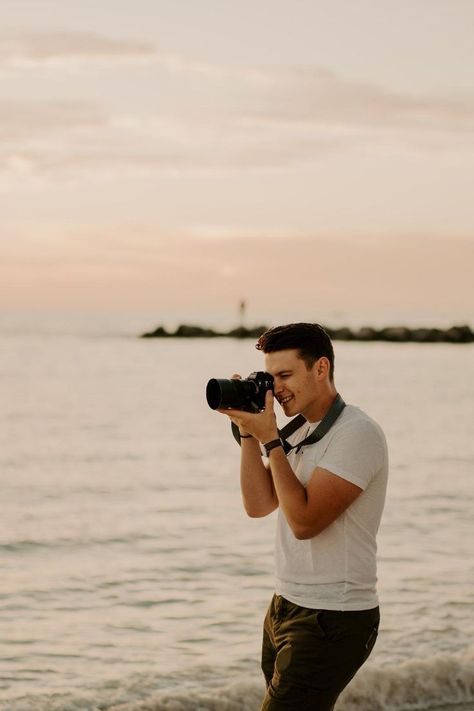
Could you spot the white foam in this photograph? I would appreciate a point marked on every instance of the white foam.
(418, 684)
(415, 684)
(442, 680)
(237, 696)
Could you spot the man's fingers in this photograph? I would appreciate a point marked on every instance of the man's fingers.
(230, 413)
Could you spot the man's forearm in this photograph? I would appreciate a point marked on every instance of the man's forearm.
(290, 492)
(258, 492)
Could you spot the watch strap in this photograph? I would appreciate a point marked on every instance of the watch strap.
(268, 446)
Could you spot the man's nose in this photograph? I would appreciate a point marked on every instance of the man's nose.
(277, 386)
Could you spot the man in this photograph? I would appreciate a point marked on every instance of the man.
(323, 620)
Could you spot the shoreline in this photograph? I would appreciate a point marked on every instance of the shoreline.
(459, 334)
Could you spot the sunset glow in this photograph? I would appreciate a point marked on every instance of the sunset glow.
(177, 156)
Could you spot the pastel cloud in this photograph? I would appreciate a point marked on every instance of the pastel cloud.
(24, 120)
(315, 96)
(43, 47)
(235, 118)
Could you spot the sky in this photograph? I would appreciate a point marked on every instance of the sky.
(172, 157)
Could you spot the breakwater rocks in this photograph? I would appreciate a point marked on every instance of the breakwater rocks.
(395, 334)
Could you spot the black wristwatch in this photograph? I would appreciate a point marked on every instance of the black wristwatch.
(271, 445)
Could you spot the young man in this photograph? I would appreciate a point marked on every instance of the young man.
(323, 620)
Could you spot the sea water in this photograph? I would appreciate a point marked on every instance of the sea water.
(131, 579)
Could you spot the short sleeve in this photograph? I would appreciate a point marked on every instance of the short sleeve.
(356, 452)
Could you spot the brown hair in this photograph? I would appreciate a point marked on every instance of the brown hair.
(310, 339)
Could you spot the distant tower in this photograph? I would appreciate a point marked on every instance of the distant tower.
(242, 309)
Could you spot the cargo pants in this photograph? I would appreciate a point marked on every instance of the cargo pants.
(309, 656)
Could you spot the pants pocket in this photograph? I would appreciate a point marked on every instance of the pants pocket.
(319, 626)
(372, 638)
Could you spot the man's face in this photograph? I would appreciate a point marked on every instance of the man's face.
(295, 385)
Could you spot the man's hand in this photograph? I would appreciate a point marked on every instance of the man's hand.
(261, 425)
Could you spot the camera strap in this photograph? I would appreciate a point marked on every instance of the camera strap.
(321, 430)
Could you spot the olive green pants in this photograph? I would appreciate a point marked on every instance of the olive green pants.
(309, 656)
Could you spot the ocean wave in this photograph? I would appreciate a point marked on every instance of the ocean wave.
(439, 680)
(414, 685)
(444, 681)
(28, 545)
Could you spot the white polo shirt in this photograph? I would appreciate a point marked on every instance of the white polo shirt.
(336, 570)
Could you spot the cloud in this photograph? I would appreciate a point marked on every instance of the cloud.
(25, 120)
(38, 138)
(254, 95)
(79, 140)
(208, 117)
(322, 99)
(29, 48)
(56, 49)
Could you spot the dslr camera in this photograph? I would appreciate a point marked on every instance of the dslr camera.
(247, 394)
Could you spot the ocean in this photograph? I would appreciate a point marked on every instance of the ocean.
(132, 580)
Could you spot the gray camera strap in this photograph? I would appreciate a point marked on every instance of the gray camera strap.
(322, 429)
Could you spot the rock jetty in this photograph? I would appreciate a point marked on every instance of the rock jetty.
(395, 334)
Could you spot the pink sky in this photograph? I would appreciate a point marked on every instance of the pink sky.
(159, 159)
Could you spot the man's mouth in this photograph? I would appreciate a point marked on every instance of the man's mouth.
(284, 400)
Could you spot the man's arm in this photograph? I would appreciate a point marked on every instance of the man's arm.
(311, 509)
(308, 510)
(258, 493)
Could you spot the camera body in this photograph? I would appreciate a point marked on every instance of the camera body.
(247, 394)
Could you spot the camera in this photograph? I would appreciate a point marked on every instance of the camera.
(247, 394)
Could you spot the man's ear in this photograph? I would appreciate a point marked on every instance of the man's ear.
(322, 366)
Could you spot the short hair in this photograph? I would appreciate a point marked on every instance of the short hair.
(310, 339)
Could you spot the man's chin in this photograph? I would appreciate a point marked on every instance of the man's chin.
(288, 407)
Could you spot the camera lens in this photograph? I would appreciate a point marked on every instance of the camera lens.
(221, 393)
(213, 393)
